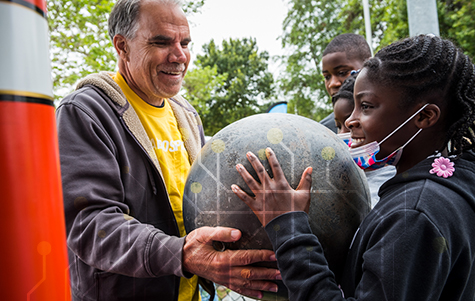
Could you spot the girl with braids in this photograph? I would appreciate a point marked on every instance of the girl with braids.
(418, 243)
(343, 105)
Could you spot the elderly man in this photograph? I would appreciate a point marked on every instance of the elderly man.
(126, 145)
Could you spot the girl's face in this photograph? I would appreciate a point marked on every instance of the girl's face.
(342, 110)
(376, 114)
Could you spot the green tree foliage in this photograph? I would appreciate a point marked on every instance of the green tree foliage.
(201, 86)
(308, 27)
(79, 42)
(229, 83)
(457, 22)
(311, 24)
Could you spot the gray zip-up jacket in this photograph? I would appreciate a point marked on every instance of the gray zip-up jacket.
(123, 239)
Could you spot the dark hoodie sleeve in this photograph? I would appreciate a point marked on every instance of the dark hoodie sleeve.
(300, 259)
(406, 259)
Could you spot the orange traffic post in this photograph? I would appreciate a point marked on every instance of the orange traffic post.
(33, 252)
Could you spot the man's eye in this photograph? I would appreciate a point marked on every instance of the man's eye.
(327, 77)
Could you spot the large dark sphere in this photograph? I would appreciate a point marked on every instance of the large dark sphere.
(340, 197)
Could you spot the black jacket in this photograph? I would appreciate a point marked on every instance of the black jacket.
(418, 243)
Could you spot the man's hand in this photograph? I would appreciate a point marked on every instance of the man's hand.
(231, 267)
(273, 196)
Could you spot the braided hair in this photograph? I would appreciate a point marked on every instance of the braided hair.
(429, 66)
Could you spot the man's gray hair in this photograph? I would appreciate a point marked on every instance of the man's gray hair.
(124, 17)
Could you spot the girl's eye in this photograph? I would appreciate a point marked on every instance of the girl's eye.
(365, 106)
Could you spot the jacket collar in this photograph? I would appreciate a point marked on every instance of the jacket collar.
(188, 120)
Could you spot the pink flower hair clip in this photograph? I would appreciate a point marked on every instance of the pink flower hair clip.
(442, 167)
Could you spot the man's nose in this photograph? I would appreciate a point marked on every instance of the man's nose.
(177, 54)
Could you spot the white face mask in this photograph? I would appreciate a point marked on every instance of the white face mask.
(346, 137)
(365, 155)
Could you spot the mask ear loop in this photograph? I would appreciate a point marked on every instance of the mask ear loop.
(405, 144)
(404, 123)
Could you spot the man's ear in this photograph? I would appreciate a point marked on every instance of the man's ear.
(428, 117)
(121, 46)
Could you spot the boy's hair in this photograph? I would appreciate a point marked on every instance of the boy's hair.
(346, 89)
(428, 66)
(354, 45)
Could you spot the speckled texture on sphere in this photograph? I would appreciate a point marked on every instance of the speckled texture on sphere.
(340, 195)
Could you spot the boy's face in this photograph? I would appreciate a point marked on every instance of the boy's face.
(336, 67)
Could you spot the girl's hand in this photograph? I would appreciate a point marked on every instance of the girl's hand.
(273, 196)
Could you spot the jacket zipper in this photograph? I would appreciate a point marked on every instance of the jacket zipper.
(151, 176)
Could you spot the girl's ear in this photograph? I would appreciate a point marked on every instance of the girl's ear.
(120, 45)
(428, 117)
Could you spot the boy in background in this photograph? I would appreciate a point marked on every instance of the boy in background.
(345, 53)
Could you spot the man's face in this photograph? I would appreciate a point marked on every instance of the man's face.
(336, 67)
(158, 56)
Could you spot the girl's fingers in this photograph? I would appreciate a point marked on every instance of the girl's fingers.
(251, 183)
(306, 180)
(250, 201)
(274, 165)
(259, 169)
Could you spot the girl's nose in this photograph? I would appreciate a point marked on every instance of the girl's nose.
(352, 122)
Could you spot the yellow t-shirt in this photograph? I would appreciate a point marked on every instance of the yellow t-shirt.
(167, 141)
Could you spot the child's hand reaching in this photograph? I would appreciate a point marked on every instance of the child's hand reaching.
(273, 196)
